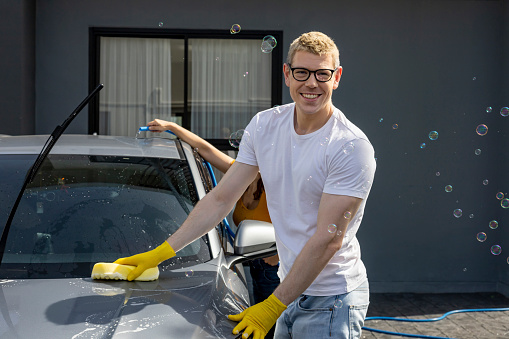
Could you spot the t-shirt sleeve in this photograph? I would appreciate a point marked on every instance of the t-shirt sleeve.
(351, 170)
(247, 154)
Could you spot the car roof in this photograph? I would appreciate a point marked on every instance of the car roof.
(93, 145)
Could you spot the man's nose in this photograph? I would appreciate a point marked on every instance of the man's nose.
(311, 81)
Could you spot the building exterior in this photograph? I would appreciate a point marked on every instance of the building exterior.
(410, 67)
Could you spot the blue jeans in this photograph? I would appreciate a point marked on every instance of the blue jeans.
(265, 281)
(338, 316)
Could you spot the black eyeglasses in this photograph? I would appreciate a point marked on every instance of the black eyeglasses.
(321, 75)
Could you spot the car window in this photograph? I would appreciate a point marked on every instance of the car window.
(83, 209)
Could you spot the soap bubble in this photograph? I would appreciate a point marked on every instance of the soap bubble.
(268, 44)
(332, 228)
(437, 174)
(339, 303)
(347, 215)
(500, 195)
(381, 119)
(161, 24)
(474, 78)
(493, 224)
(270, 40)
(235, 138)
(235, 29)
(504, 203)
(488, 109)
(395, 126)
(189, 273)
(423, 145)
(433, 135)
(477, 151)
(485, 182)
(349, 148)
(496, 249)
(457, 213)
(324, 141)
(504, 111)
(481, 237)
(448, 188)
(471, 216)
(481, 130)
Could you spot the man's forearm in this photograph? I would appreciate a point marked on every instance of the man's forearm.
(313, 258)
(207, 213)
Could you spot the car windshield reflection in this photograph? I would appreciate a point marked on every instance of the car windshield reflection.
(83, 209)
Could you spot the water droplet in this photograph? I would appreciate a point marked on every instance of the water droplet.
(500, 195)
(481, 129)
(347, 215)
(493, 224)
(433, 135)
(457, 213)
(488, 109)
(448, 188)
(477, 151)
(332, 228)
(395, 126)
(504, 111)
(504, 203)
(496, 249)
(235, 29)
(481, 237)
(423, 145)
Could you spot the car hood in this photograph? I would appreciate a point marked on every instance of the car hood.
(180, 304)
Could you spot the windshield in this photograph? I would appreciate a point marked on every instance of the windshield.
(83, 209)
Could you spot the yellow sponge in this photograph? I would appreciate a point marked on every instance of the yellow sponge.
(106, 270)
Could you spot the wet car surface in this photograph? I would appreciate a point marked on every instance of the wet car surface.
(97, 199)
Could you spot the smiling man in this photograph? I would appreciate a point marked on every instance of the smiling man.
(318, 169)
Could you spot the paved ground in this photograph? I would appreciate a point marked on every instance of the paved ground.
(472, 325)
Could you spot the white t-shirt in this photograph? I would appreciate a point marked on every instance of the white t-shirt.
(296, 169)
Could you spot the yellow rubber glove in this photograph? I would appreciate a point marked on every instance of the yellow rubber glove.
(147, 260)
(258, 319)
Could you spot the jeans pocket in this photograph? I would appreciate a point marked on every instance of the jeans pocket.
(356, 316)
(315, 304)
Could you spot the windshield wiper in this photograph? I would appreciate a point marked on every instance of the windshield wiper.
(57, 132)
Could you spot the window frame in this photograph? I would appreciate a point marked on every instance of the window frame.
(95, 34)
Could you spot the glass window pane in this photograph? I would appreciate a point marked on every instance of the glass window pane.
(143, 80)
(230, 81)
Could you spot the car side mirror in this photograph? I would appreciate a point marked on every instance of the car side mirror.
(254, 239)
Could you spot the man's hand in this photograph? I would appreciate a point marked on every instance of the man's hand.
(147, 260)
(258, 319)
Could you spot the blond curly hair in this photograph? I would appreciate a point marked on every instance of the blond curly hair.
(316, 43)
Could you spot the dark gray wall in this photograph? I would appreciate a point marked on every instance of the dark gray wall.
(410, 63)
(17, 71)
